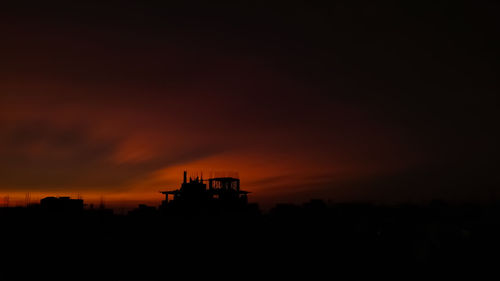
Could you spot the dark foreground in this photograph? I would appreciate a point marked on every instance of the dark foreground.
(311, 242)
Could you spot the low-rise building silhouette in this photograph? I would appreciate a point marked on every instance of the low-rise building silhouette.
(61, 204)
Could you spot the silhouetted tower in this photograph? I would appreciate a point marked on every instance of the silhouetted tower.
(6, 201)
(101, 203)
(27, 199)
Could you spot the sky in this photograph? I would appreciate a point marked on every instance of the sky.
(346, 101)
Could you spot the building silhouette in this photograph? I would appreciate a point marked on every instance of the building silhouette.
(222, 192)
(61, 204)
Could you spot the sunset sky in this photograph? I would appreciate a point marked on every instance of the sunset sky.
(350, 101)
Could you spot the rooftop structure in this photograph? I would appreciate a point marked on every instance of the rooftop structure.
(195, 192)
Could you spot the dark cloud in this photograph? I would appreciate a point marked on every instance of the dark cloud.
(38, 156)
(418, 186)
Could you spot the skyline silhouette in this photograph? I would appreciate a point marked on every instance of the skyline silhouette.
(197, 232)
